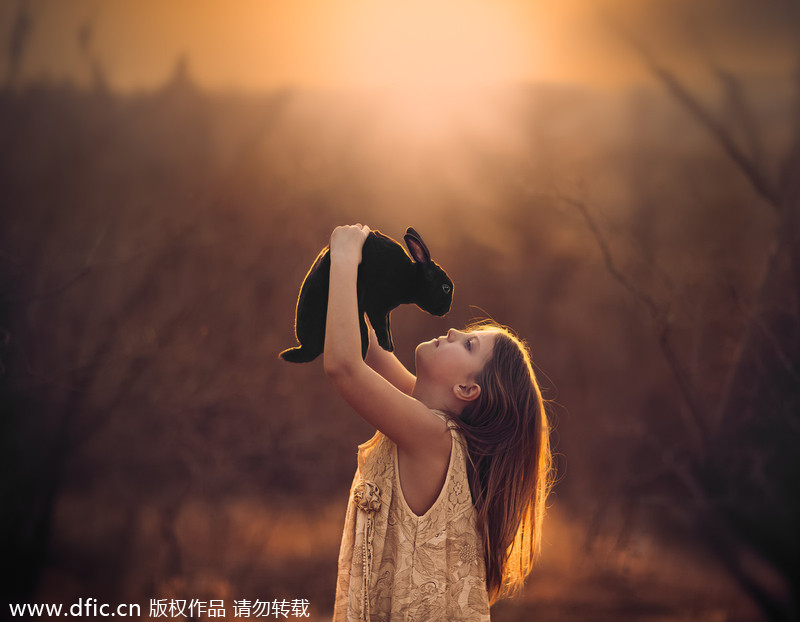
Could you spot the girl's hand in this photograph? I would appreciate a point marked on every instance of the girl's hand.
(347, 242)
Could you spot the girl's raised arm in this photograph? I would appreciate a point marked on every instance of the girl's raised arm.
(404, 419)
(388, 366)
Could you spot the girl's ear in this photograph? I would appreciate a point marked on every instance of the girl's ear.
(467, 392)
(419, 251)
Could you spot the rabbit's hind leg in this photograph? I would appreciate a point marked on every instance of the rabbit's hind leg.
(362, 325)
(380, 322)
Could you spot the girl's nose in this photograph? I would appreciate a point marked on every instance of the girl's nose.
(451, 332)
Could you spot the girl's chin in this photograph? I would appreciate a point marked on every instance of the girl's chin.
(424, 350)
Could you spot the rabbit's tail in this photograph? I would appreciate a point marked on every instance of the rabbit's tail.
(300, 354)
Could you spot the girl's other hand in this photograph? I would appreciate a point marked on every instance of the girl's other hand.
(347, 242)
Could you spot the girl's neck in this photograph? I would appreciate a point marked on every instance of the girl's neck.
(435, 397)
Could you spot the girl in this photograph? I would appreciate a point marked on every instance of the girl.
(446, 507)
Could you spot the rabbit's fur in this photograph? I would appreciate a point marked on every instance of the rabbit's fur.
(387, 277)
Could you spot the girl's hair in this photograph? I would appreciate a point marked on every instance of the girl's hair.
(510, 465)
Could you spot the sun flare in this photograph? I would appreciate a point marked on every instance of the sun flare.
(417, 44)
(432, 60)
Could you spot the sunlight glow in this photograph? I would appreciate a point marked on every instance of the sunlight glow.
(418, 44)
(432, 60)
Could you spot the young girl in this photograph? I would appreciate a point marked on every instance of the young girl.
(446, 507)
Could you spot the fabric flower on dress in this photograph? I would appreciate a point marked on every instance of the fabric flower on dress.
(367, 496)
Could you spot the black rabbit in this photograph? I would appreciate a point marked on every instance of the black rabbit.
(387, 277)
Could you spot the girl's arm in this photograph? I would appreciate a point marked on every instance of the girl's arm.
(388, 366)
(404, 419)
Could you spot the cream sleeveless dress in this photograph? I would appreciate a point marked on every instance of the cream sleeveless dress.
(395, 565)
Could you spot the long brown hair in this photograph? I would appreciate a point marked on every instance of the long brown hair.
(510, 464)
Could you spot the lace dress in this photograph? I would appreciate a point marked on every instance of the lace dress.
(395, 565)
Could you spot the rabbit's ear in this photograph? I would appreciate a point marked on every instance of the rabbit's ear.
(417, 247)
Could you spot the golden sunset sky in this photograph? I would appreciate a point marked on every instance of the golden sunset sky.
(264, 44)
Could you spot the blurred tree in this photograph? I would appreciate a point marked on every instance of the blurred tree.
(138, 355)
(53, 409)
(737, 463)
(85, 40)
(18, 41)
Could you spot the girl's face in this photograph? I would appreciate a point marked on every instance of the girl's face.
(455, 358)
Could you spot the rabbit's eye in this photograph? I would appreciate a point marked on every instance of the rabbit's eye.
(446, 288)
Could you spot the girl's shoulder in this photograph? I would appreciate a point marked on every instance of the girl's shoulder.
(378, 443)
(381, 445)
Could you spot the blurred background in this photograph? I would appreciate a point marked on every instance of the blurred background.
(619, 181)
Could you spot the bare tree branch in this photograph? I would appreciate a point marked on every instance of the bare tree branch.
(721, 134)
(695, 424)
(777, 348)
(655, 310)
(61, 287)
(742, 113)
